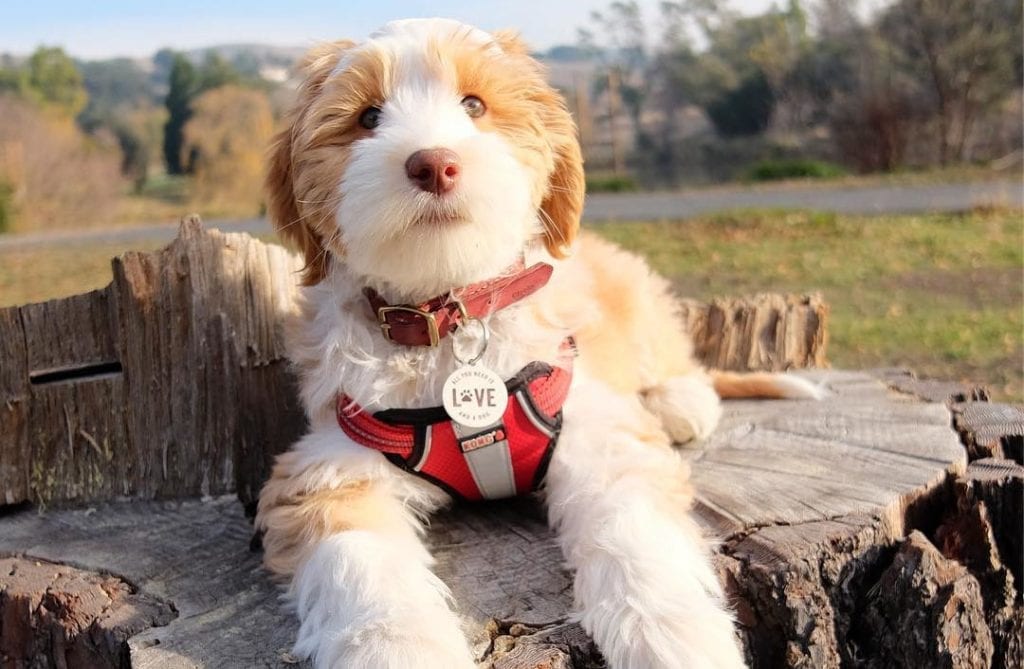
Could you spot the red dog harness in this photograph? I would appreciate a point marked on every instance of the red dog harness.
(505, 459)
(502, 460)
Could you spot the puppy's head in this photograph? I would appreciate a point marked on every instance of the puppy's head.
(425, 158)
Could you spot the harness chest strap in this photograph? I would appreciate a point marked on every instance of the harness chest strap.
(502, 460)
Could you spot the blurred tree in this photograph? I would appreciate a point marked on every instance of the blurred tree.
(225, 138)
(759, 53)
(113, 85)
(184, 85)
(187, 83)
(216, 72)
(826, 66)
(56, 175)
(122, 105)
(962, 54)
(53, 80)
(13, 78)
(617, 38)
(138, 133)
(744, 110)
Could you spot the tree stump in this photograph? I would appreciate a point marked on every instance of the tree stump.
(854, 533)
(878, 527)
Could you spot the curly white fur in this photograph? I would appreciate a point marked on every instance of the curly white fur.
(365, 595)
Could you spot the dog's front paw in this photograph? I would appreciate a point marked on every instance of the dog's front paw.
(687, 406)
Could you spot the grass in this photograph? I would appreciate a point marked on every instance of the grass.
(610, 183)
(38, 274)
(781, 170)
(940, 294)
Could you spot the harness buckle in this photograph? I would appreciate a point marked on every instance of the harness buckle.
(431, 320)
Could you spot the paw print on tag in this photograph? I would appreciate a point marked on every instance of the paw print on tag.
(474, 396)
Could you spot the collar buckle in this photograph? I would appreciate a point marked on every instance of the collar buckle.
(430, 319)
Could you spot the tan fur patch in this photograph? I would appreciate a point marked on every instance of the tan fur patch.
(624, 317)
(734, 385)
(293, 519)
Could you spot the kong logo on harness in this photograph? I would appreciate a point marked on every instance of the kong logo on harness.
(483, 439)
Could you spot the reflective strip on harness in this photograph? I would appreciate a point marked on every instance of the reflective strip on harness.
(502, 460)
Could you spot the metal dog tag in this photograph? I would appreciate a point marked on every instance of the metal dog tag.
(475, 396)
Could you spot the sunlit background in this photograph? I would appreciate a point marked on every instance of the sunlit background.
(133, 113)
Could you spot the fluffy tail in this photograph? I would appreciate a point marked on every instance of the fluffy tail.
(735, 385)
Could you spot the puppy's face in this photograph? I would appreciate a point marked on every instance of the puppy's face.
(425, 159)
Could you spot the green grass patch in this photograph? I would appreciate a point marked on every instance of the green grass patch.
(6, 206)
(939, 294)
(611, 184)
(797, 168)
(166, 187)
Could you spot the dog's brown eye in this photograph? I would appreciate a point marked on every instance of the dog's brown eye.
(474, 106)
(370, 118)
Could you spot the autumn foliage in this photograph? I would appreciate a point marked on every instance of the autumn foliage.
(224, 141)
(51, 174)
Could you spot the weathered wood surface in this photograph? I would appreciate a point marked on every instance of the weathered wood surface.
(765, 332)
(84, 618)
(171, 381)
(854, 534)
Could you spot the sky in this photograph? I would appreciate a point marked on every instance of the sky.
(137, 28)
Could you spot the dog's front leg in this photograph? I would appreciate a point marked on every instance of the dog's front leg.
(359, 573)
(618, 496)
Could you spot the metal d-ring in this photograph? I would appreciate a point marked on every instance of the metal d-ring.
(485, 337)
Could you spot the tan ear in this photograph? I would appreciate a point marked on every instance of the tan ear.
(511, 42)
(562, 205)
(282, 204)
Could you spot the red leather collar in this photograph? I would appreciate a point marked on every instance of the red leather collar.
(425, 324)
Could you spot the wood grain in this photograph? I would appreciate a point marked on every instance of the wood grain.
(169, 382)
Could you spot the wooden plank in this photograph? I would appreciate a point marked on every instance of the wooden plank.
(14, 409)
(931, 390)
(203, 360)
(70, 332)
(78, 442)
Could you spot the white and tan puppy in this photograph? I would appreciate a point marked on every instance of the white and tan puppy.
(502, 181)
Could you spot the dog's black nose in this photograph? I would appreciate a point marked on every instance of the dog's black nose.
(433, 170)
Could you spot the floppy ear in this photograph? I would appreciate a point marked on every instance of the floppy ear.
(562, 204)
(282, 204)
